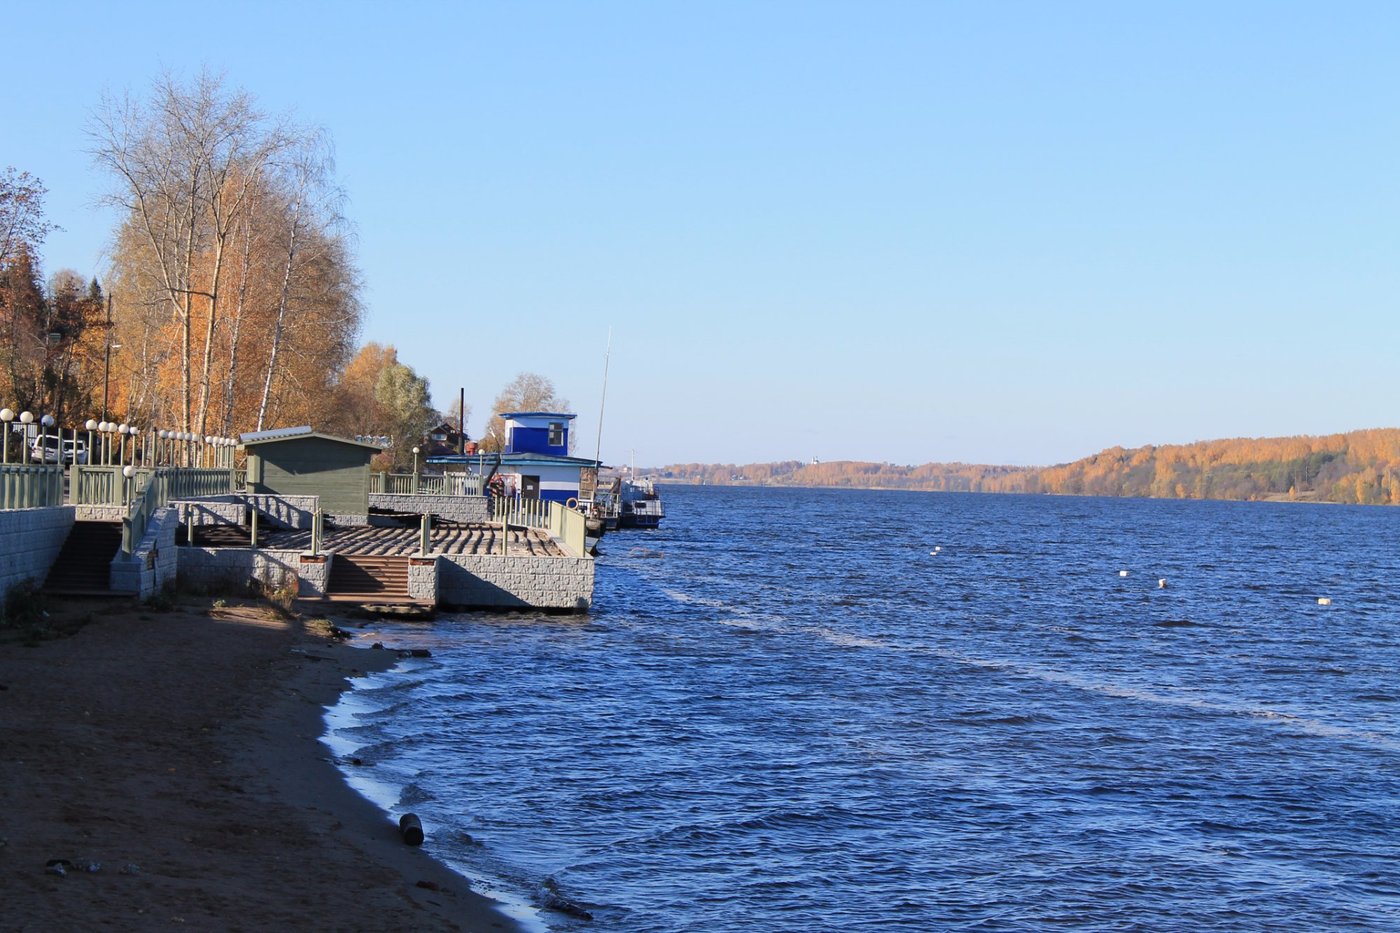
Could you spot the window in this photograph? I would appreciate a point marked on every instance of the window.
(556, 434)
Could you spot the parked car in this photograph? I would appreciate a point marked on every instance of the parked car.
(45, 450)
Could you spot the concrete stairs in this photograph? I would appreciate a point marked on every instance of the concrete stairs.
(368, 578)
(83, 566)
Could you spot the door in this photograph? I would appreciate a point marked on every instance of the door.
(529, 487)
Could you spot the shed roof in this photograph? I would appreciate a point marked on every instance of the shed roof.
(273, 435)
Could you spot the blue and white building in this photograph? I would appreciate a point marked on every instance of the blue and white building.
(536, 456)
(535, 462)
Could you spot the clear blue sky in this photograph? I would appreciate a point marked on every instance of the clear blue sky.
(989, 232)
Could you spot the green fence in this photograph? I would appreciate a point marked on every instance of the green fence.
(30, 487)
(409, 484)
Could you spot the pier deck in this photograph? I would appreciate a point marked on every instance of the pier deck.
(444, 538)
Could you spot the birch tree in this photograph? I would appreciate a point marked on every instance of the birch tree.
(232, 247)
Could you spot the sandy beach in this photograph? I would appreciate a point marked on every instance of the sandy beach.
(162, 770)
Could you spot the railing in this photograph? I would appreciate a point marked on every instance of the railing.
(410, 484)
(569, 526)
(30, 487)
(152, 492)
(106, 485)
(200, 483)
(565, 524)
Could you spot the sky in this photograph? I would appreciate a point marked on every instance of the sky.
(910, 232)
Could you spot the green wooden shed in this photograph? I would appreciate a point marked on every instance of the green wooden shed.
(301, 462)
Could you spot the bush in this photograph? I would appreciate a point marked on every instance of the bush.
(26, 612)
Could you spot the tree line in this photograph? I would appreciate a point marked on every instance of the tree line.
(1357, 467)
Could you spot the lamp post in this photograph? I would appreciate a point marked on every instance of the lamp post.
(6, 415)
(26, 419)
(91, 426)
(127, 473)
(45, 423)
(415, 471)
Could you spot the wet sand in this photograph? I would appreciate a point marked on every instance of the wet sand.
(179, 751)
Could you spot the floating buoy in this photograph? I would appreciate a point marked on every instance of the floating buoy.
(1324, 601)
(1122, 573)
(1162, 583)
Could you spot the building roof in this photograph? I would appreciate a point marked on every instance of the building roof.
(521, 459)
(273, 435)
(538, 414)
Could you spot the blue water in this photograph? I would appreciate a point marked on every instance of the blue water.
(789, 712)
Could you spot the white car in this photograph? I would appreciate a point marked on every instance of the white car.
(45, 450)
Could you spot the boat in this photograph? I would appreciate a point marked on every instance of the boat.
(639, 505)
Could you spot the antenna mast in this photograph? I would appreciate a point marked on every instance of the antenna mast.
(602, 404)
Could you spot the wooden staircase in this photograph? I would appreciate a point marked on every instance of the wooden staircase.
(368, 578)
(83, 566)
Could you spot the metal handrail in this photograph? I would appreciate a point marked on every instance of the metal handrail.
(566, 524)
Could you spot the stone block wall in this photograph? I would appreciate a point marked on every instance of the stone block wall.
(30, 540)
(315, 573)
(448, 508)
(233, 568)
(495, 582)
(227, 510)
(423, 579)
(155, 562)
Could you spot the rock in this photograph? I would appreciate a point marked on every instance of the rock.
(551, 899)
(421, 653)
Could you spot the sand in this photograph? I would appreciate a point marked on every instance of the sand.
(179, 751)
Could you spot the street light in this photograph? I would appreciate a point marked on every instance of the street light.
(45, 423)
(7, 415)
(91, 426)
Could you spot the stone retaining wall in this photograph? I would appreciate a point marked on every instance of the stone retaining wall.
(491, 581)
(155, 562)
(448, 508)
(293, 512)
(216, 569)
(30, 540)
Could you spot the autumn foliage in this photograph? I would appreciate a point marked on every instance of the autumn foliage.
(1358, 467)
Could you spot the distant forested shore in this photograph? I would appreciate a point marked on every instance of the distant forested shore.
(1357, 467)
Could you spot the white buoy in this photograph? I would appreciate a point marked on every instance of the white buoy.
(1122, 573)
(1162, 583)
(1324, 601)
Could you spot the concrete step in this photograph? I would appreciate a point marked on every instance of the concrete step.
(83, 566)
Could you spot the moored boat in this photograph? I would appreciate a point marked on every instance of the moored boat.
(639, 505)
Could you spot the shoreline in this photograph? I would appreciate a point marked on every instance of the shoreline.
(182, 752)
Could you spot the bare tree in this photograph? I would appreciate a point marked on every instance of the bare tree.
(526, 392)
